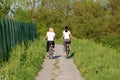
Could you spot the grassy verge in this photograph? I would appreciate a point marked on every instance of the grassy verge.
(24, 63)
(59, 41)
(96, 62)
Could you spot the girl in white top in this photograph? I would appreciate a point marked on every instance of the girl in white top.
(50, 37)
(66, 36)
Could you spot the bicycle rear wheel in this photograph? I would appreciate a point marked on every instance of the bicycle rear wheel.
(67, 50)
(50, 52)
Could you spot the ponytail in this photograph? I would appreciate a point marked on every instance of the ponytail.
(66, 28)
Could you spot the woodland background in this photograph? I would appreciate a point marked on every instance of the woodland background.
(98, 20)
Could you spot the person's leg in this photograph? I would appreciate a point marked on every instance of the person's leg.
(53, 43)
(64, 46)
(47, 48)
(70, 45)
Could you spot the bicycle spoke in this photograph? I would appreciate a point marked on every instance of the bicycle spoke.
(50, 51)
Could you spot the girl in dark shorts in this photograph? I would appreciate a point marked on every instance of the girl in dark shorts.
(66, 36)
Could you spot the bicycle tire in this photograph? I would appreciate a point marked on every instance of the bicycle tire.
(67, 50)
(50, 52)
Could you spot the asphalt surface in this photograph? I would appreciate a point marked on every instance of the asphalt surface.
(59, 68)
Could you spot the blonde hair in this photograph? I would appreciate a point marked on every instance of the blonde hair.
(51, 29)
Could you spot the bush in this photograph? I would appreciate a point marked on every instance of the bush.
(111, 40)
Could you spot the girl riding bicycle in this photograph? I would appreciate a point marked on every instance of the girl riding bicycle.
(66, 37)
(50, 37)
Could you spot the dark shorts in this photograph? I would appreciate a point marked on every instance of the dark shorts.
(48, 45)
(67, 41)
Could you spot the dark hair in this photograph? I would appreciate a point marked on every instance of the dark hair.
(66, 28)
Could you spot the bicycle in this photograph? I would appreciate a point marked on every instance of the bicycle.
(67, 48)
(51, 50)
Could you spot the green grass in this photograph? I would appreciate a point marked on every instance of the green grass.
(96, 62)
(24, 63)
(59, 41)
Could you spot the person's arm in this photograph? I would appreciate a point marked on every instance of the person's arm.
(71, 36)
(54, 36)
(63, 36)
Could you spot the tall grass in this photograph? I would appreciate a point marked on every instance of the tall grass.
(24, 63)
(96, 62)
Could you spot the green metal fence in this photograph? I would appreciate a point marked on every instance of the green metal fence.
(13, 32)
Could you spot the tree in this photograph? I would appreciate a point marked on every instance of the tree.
(90, 19)
(115, 6)
(4, 7)
(114, 25)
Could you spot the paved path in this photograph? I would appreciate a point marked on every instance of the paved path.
(59, 68)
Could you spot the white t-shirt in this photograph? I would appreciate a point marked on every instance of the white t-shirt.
(50, 36)
(66, 35)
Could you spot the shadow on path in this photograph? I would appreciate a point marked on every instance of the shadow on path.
(71, 55)
(56, 56)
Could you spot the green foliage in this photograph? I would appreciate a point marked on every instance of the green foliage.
(4, 10)
(115, 7)
(89, 19)
(24, 63)
(23, 15)
(5, 7)
(96, 62)
(111, 40)
(86, 19)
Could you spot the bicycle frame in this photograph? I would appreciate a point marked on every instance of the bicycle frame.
(50, 50)
(67, 48)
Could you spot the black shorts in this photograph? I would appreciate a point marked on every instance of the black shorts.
(48, 45)
(67, 41)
